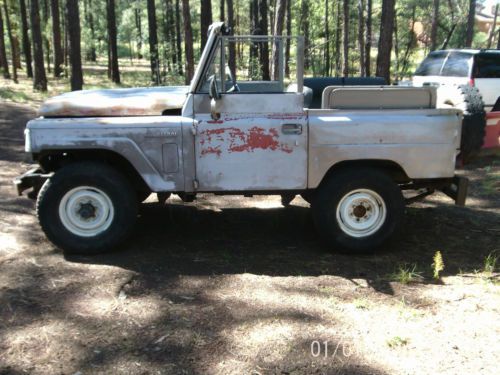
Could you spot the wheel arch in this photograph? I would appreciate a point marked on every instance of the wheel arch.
(394, 170)
(53, 160)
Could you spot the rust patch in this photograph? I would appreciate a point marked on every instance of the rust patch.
(258, 138)
(211, 150)
(237, 140)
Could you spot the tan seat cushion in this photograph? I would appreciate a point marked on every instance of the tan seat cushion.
(378, 97)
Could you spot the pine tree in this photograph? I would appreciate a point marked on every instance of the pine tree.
(205, 20)
(385, 40)
(153, 43)
(39, 77)
(74, 39)
(111, 18)
(26, 39)
(56, 38)
(188, 41)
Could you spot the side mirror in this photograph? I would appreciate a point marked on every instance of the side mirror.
(214, 94)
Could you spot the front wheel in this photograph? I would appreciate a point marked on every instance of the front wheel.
(357, 211)
(87, 208)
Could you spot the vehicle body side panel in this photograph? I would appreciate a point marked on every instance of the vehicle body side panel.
(423, 142)
(153, 145)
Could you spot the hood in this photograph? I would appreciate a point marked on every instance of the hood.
(143, 101)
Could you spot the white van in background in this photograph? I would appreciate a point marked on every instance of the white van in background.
(478, 68)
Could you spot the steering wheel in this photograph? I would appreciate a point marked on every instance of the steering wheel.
(235, 87)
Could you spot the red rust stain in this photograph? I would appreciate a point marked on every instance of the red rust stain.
(211, 150)
(214, 131)
(242, 141)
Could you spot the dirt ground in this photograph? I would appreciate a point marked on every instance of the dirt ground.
(243, 286)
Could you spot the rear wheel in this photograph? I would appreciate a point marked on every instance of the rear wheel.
(87, 208)
(356, 211)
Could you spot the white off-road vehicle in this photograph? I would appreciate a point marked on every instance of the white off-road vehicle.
(468, 79)
(239, 129)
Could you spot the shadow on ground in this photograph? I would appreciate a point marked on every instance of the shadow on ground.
(184, 240)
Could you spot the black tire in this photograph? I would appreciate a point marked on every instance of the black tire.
(469, 100)
(329, 196)
(94, 175)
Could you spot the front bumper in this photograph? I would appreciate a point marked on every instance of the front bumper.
(34, 179)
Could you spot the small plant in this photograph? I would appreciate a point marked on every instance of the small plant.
(490, 263)
(361, 303)
(406, 274)
(397, 341)
(437, 265)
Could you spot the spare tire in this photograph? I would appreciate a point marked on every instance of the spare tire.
(469, 100)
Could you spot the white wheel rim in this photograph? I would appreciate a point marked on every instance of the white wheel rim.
(361, 213)
(86, 211)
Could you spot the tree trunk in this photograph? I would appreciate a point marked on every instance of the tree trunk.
(279, 21)
(361, 38)
(254, 47)
(435, 24)
(138, 25)
(451, 6)
(237, 27)
(56, 38)
(345, 65)
(469, 35)
(153, 43)
(74, 39)
(338, 33)
(222, 16)
(232, 47)
(171, 34)
(385, 40)
(327, 41)
(66, 42)
(396, 45)
(264, 47)
(205, 20)
(115, 70)
(91, 54)
(411, 41)
(3, 53)
(493, 26)
(188, 41)
(46, 39)
(288, 33)
(12, 42)
(178, 37)
(304, 29)
(26, 39)
(39, 77)
(368, 43)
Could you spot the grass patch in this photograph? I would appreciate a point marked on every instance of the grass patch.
(406, 274)
(361, 303)
(397, 341)
(17, 96)
(490, 263)
(491, 182)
